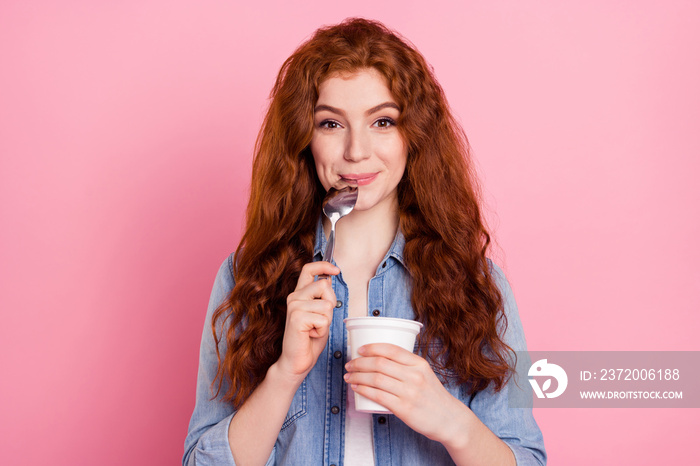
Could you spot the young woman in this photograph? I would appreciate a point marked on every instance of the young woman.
(357, 104)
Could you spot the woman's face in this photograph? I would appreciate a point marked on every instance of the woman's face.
(355, 138)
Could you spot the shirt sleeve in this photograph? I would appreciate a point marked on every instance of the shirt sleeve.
(207, 436)
(516, 426)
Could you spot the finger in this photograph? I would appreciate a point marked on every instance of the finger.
(377, 365)
(296, 310)
(391, 352)
(378, 380)
(318, 325)
(300, 311)
(310, 270)
(321, 289)
(387, 399)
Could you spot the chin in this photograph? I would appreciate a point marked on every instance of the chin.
(365, 204)
(361, 207)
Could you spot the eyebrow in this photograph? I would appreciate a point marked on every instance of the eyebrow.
(372, 110)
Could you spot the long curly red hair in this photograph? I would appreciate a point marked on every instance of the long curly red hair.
(453, 293)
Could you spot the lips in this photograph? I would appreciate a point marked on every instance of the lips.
(360, 178)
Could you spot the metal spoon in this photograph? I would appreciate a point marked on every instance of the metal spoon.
(336, 205)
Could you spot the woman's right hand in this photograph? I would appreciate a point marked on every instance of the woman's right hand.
(309, 316)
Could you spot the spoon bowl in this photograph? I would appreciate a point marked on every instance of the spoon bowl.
(336, 205)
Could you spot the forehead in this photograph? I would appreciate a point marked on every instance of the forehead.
(364, 86)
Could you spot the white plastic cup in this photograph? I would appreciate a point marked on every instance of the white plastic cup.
(365, 330)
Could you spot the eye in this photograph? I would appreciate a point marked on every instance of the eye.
(384, 122)
(329, 124)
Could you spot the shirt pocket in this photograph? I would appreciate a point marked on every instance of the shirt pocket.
(298, 407)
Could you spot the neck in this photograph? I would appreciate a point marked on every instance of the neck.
(365, 236)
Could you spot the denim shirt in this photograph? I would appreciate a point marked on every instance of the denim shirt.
(313, 431)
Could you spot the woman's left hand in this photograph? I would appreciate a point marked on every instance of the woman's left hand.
(405, 384)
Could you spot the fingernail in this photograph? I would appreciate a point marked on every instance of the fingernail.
(346, 376)
(361, 350)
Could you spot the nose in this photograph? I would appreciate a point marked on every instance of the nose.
(358, 146)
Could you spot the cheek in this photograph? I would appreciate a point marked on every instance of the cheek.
(318, 149)
(321, 163)
(397, 158)
(324, 152)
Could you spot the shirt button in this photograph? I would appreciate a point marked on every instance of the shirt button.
(381, 420)
(384, 265)
(335, 410)
(337, 355)
(376, 313)
(338, 304)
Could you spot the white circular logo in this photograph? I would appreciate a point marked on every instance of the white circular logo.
(542, 368)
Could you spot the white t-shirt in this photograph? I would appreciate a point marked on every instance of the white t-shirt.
(359, 441)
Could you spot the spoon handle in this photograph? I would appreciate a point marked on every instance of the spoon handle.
(328, 253)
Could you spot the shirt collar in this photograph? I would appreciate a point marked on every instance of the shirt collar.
(395, 251)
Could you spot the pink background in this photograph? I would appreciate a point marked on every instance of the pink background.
(126, 131)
